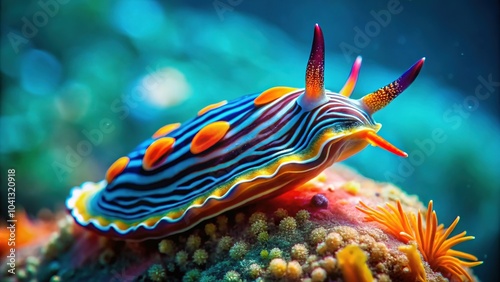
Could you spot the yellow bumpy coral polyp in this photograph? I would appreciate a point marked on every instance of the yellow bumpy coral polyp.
(352, 262)
(414, 262)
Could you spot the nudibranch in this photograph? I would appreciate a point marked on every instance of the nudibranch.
(235, 153)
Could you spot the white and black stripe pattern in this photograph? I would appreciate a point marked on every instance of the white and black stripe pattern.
(258, 136)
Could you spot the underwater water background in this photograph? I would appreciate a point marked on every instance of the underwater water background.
(84, 82)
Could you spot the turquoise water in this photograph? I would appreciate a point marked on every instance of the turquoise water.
(74, 73)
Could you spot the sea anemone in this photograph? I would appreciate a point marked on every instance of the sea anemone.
(431, 239)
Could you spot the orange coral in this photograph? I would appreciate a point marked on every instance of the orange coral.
(432, 239)
(415, 263)
(27, 232)
(352, 262)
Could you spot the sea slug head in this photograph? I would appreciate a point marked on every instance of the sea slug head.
(350, 120)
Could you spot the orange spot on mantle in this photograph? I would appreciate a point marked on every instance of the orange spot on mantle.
(116, 168)
(272, 94)
(157, 152)
(166, 130)
(209, 136)
(211, 107)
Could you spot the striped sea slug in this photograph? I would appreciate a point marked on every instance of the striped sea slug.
(234, 153)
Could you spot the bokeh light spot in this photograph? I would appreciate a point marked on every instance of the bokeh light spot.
(138, 18)
(20, 133)
(73, 100)
(165, 88)
(40, 72)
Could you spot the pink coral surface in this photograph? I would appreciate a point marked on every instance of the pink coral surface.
(304, 228)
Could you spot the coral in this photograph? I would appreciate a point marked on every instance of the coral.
(293, 270)
(281, 213)
(156, 273)
(225, 243)
(192, 275)
(334, 242)
(431, 239)
(232, 276)
(288, 225)
(318, 275)
(257, 216)
(193, 242)
(329, 264)
(378, 252)
(29, 232)
(222, 223)
(348, 233)
(352, 262)
(210, 230)
(321, 248)
(166, 246)
(254, 270)
(277, 267)
(263, 236)
(238, 250)
(181, 258)
(208, 278)
(254, 243)
(317, 235)
(275, 253)
(302, 216)
(414, 262)
(200, 256)
(258, 226)
(352, 187)
(299, 252)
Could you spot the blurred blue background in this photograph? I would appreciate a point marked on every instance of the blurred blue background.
(83, 82)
